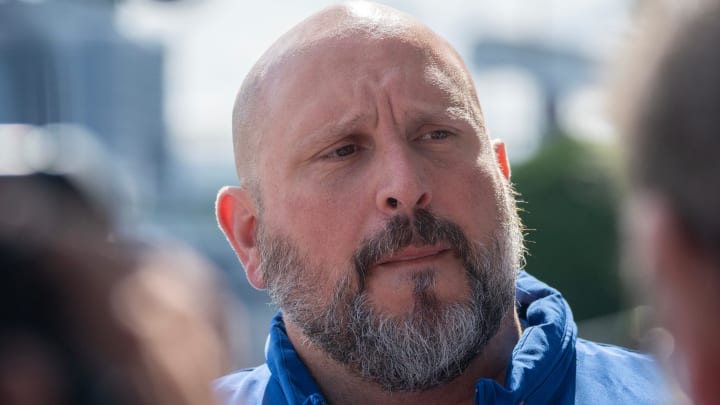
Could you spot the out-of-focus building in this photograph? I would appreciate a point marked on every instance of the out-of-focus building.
(63, 61)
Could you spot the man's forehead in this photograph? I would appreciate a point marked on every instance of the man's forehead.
(338, 75)
(357, 51)
(419, 60)
(333, 83)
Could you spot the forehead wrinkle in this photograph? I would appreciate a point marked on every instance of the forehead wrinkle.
(332, 131)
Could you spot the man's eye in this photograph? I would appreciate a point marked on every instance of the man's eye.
(344, 151)
(436, 135)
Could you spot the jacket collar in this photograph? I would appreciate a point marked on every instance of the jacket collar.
(543, 362)
(291, 376)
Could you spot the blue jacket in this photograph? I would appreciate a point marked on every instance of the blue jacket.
(549, 365)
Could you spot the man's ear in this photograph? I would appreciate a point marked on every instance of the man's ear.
(237, 215)
(501, 156)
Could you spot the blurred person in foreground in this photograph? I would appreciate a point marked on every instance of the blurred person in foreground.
(86, 320)
(379, 215)
(670, 109)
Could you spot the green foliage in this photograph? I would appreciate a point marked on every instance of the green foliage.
(570, 194)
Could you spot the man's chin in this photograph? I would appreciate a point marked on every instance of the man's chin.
(426, 292)
(417, 349)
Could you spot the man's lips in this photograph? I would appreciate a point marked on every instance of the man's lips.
(413, 253)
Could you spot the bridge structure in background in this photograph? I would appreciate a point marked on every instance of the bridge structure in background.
(557, 71)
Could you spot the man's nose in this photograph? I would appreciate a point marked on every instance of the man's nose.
(402, 183)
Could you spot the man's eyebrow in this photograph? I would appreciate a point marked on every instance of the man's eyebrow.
(426, 113)
(332, 131)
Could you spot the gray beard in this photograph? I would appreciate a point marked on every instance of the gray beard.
(427, 347)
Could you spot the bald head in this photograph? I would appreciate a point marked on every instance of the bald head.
(329, 31)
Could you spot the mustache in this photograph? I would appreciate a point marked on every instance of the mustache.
(401, 231)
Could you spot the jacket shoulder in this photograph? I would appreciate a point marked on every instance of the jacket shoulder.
(245, 386)
(611, 374)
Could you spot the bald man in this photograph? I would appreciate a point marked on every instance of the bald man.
(379, 216)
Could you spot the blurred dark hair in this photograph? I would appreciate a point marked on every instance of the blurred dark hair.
(676, 126)
(56, 269)
(87, 317)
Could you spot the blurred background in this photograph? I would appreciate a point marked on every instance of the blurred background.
(144, 90)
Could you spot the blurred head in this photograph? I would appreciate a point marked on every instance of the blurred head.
(89, 321)
(674, 222)
(373, 207)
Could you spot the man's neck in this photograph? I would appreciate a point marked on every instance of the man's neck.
(340, 386)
